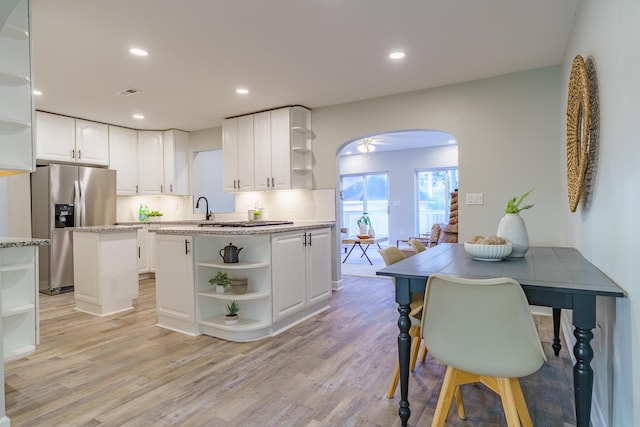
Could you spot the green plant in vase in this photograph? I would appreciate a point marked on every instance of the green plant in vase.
(232, 313)
(513, 205)
(221, 280)
(364, 222)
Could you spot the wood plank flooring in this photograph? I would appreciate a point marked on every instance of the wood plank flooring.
(332, 370)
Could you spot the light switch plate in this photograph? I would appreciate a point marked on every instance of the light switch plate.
(475, 198)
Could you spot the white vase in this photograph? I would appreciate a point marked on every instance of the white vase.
(513, 229)
(219, 289)
(363, 229)
(372, 232)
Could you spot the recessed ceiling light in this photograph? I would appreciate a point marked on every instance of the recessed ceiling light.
(138, 52)
(37, 92)
(396, 55)
(242, 91)
(138, 116)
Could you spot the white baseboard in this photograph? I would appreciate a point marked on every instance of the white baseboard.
(597, 417)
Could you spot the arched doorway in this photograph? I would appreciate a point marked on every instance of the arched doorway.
(401, 178)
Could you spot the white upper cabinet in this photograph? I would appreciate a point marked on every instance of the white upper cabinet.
(55, 137)
(176, 162)
(262, 150)
(92, 143)
(278, 145)
(65, 139)
(238, 154)
(151, 162)
(123, 157)
(16, 109)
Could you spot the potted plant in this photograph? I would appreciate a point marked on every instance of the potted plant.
(513, 228)
(155, 215)
(364, 222)
(232, 313)
(221, 280)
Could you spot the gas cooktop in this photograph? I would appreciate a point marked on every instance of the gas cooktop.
(256, 223)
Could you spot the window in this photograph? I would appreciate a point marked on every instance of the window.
(207, 182)
(365, 193)
(434, 199)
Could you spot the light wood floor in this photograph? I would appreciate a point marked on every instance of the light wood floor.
(332, 370)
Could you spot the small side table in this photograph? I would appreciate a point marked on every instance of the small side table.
(355, 241)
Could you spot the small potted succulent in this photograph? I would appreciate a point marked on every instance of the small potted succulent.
(232, 313)
(221, 280)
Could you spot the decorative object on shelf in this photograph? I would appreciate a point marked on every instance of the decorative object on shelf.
(513, 228)
(239, 285)
(221, 280)
(230, 254)
(578, 126)
(232, 313)
(364, 222)
(155, 215)
(450, 230)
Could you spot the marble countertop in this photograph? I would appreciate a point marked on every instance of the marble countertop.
(207, 230)
(15, 242)
(108, 228)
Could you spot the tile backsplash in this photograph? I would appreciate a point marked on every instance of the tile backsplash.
(295, 205)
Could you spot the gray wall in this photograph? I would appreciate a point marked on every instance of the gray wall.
(606, 231)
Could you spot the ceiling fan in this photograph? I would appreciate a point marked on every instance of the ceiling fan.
(368, 145)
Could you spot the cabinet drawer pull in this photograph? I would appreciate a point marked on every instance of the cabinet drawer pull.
(309, 239)
(305, 240)
(267, 182)
(79, 154)
(186, 247)
(73, 154)
(273, 183)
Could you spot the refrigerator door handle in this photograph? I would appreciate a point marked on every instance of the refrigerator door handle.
(76, 202)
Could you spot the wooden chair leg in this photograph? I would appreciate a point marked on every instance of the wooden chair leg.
(461, 414)
(415, 347)
(446, 395)
(521, 404)
(423, 354)
(395, 379)
(508, 402)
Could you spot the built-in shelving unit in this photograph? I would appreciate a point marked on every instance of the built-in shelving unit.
(255, 317)
(16, 106)
(19, 301)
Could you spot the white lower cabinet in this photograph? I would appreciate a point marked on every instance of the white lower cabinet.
(143, 250)
(301, 271)
(174, 283)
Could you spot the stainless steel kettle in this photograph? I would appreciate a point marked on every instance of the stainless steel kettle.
(230, 253)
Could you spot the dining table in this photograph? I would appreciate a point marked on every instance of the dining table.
(556, 277)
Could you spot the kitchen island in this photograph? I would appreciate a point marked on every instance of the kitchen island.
(288, 268)
(105, 268)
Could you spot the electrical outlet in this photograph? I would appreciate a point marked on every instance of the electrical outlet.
(475, 199)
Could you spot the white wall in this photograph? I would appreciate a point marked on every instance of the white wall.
(401, 166)
(508, 136)
(15, 205)
(606, 233)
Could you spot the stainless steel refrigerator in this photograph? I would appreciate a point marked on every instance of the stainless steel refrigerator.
(63, 197)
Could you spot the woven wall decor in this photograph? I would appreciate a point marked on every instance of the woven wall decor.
(578, 123)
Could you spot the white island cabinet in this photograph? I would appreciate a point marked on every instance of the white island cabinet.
(174, 283)
(301, 269)
(105, 268)
(287, 267)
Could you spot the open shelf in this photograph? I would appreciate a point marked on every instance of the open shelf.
(8, 126)
(233, 266)
(9, 79)
(14, 32)
(244, 324)
(19, 309)
(234, 297)
(18, 353)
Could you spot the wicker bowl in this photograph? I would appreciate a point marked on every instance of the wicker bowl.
(488, 252)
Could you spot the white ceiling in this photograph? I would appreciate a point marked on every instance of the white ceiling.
(314, 53)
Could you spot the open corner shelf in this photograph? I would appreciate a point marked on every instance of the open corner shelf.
(233, 266)
(229, 296)
(243, 323)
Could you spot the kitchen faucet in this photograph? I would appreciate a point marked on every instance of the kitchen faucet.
(207, 215)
